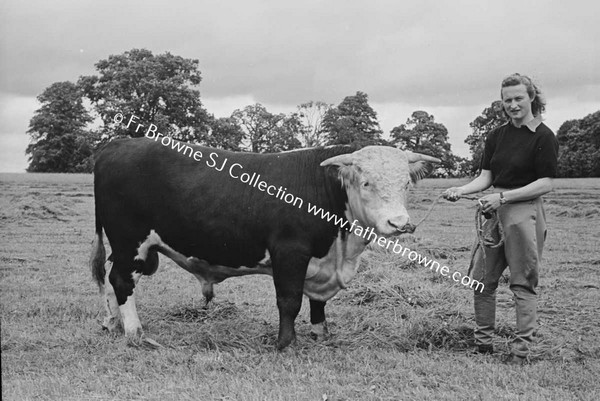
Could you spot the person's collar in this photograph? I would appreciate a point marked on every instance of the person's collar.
(533, 124)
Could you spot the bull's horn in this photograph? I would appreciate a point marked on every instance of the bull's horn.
(416, 157)
(339, 160)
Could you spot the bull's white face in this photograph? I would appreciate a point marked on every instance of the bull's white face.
(377, 179)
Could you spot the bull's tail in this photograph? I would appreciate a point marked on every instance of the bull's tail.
(98, 257)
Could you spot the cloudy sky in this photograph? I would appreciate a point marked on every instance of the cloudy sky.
(444, 57)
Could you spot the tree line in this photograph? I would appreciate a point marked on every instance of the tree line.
(77, 118)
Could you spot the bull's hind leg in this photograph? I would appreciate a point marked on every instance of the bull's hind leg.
(131, 321)
(124, 279)
(113, 316)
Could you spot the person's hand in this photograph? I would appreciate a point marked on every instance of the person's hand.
(453, 194)
(489, 203)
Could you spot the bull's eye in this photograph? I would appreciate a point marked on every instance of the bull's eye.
(365, 184)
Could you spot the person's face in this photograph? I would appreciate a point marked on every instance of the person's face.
(517, 103)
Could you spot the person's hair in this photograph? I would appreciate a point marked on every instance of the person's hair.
(538, 106)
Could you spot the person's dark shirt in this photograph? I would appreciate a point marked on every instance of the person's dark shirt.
(519, 156)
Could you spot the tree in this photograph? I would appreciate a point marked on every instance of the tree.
(491, 118)
(265, 132)
(311, 114)
(59, 141)
(353, 121)
(463, 167)
(224, 133)
(285, 133)
(157, 89)
(579, 147)
(422, 134)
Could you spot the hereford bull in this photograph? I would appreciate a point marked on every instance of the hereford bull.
(202, 212)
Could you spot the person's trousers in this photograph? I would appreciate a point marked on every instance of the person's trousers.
(524, 226)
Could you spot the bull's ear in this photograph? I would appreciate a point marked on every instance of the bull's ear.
(419, 170)
(340, 160)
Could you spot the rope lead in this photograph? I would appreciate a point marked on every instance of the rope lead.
(490, 232)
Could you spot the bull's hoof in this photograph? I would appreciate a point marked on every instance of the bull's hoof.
(283, 344)
(319, 332)
(135, 337)
(318, 337)
(135, 333)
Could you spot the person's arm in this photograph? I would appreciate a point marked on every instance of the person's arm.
(539, 187)
(481, 183)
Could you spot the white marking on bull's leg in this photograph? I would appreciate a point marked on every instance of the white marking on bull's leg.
(113, 316)
(131, 321)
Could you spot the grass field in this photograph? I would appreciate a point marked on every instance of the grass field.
(399, 332)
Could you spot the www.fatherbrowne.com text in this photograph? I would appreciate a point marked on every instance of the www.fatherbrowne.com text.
(236, 171)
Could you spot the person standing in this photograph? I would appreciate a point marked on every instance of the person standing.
(519, 161)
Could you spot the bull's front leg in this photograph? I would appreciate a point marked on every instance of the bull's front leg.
(289, 270)
(318, 330)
